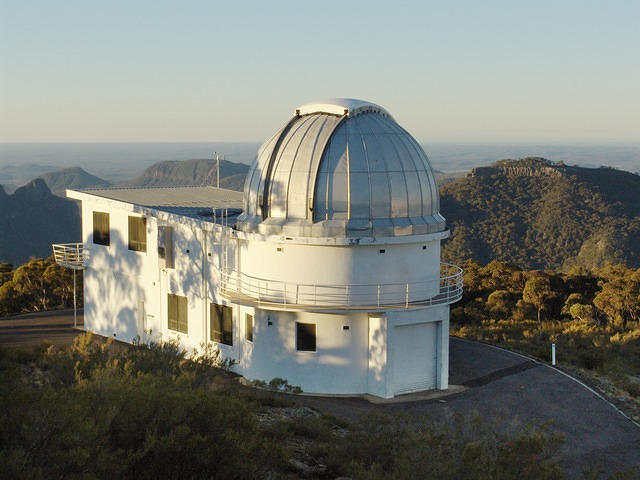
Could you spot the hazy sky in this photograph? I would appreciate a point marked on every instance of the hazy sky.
(199, 71)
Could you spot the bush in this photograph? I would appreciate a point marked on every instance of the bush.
(383, 447)
(137, 413)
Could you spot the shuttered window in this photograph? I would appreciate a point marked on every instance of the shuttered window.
(138, 234)
(222, 324)
(248, 326)
(305, 337)
(178, 311)
(101, 228)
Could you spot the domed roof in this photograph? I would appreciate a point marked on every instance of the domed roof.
(341, 167)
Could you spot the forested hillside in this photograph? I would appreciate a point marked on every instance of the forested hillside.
(31, 219)
(538, 214)
(194, 172)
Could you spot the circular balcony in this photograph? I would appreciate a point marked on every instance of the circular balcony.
(267, 294)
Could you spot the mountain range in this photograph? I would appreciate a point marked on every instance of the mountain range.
(531, 211)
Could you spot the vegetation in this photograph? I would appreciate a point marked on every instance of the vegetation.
(38, 285)
(593, 317)
(539, 214)
(102, 410)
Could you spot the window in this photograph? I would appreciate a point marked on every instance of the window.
(138, 234)
(165, 246)
(248, 326)
(306, 337)
(222, 324)
(178, 313)
(101, 228)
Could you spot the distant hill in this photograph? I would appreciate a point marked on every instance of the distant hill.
(194, 172)
(75, 177)
(539, 214)
(31, 219)
(15, 175)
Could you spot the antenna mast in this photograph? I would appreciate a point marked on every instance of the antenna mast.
(217, 157)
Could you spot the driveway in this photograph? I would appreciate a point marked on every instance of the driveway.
(511, 391)
(34, 328)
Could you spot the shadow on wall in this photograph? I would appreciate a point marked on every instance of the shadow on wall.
(187, 275)
(112, 305)
(377, 353)
(339, 361)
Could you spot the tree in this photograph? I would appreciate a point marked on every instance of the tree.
(538, 291)
(571, 300)
(11, 301)
(586, 313)
(60, 282)
(619, 298)
(29, 280)
(501, 302)
(37, 285)
(6, 272)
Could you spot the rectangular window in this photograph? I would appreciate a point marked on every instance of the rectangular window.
(101, 228)
(178, 308)
(138, 234)
(305, 337)
(248, 326)
(222, 324)
(165, 246)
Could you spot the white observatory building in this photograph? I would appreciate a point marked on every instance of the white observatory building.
(325, 272)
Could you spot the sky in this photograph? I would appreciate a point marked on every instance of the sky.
(187, 71)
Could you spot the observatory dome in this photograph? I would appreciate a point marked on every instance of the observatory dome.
(341, 167)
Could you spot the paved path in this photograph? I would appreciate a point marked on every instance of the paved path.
(35, 328)
(512, 391)
(507, 389)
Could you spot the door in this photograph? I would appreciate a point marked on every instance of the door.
(415, 353)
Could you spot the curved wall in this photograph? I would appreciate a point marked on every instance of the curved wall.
(347, 265)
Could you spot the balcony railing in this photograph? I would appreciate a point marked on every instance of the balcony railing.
(70, 255)
(240, 288)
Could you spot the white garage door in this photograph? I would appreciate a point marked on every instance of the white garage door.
(415, 357)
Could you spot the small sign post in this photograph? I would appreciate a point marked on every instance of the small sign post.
(553, 354)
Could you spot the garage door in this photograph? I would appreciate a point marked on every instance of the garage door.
(414, 357)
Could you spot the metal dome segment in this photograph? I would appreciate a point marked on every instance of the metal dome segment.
(278, 184)
(341, 168)
(341, 106)
(373, 169)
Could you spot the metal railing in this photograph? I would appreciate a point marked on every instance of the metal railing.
(70, 255)
(75, 257)
(446, 289)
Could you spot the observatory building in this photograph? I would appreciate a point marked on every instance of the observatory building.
(325, 271)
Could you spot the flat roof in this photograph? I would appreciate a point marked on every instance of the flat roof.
(188, 197)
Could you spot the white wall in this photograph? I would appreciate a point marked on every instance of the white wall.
(339, 364)
(120, 285)
(347, 265)
(126, 292)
